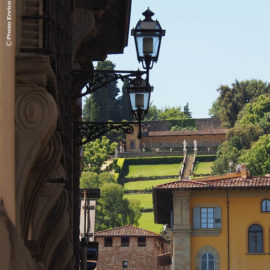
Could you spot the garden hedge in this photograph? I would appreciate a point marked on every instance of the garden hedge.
(121, 164)
(206, 158)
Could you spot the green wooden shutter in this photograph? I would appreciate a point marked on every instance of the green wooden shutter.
(196, 218)
(217, 217)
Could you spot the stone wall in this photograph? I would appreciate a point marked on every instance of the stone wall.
(138, 257)
(200, 123)
(207, 123)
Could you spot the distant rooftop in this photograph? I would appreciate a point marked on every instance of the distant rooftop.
(222, 182)
(127, 230)
(163, 194)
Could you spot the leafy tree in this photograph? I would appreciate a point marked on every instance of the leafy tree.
(214, 110)
(227, 152)
(257, 157)
(153, 113)
(96, 153)
(171, 113)
(89, 180)
(246, 134)
(257, 112)
(113, 210)
(103, 105)
(232, 99)
(187, 111)
(125, 106)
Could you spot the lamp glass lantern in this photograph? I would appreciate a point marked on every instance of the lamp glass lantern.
(147, 35)
(139, 97)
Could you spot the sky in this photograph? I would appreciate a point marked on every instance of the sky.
(207, 44)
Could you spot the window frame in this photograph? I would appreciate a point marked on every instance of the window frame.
(141, 243)
(258, 248)
(202, 251)
(198, 218)
(132, 145)
(124, 264)
(207, 261)
(106, 242)
(124, 243)
(207, 218)
(267, 208)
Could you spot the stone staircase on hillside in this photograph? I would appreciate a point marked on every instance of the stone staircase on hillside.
(188, 166)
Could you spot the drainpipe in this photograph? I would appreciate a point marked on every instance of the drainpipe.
(228, 230)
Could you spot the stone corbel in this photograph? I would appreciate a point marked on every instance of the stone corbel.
(47, 161)
(56, 238)
(36, 118)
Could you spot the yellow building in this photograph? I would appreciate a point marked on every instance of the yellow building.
(217, 223)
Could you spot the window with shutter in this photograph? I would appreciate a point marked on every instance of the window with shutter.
(217, 217)
(206, 218)
(196, 218)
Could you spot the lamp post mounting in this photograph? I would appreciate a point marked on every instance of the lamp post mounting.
(97, 79)
(147, 35)
(89, 131)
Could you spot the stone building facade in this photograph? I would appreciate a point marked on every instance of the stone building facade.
(42, 42)
(129, 247)
(157, 137)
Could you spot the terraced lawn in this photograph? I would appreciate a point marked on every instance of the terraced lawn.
(204, 168)
(153, 170)
(141, 185)
(147, 222)
(145, 199)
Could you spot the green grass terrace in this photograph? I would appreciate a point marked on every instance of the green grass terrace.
(147, 222)
(145, 199)
(153, 170)
(203, 168)
(146, 184)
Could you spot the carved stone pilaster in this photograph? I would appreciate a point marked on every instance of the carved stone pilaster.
(14, 254)
(56, 235)
(36, 119)
(181, 231)
(47, 161)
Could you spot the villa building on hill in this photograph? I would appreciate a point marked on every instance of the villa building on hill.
(157, 137)
(219, 222)
(129, 247)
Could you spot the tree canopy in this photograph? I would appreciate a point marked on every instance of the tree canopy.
(96, 153)
(257, 157)
(113, 209)
(246, 138)
(233, 98)
(105, 103)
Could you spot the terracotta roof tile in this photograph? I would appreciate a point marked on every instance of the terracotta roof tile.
(127, 230)
(218, 182)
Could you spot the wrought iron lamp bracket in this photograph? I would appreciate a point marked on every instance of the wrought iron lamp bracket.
(97, 79)
(89, 131)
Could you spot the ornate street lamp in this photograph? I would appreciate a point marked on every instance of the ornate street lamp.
(139, 97)
(147, 35)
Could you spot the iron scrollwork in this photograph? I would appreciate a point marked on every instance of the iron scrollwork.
(89, 131)
(96, 79)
